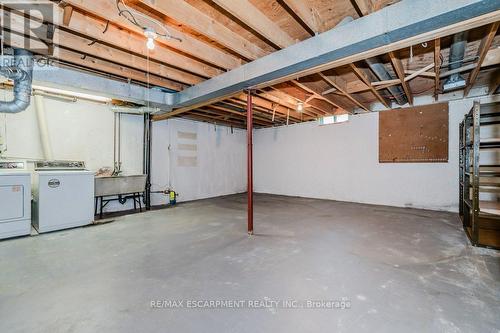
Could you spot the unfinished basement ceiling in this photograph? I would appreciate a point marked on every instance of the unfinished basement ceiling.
(221, 35)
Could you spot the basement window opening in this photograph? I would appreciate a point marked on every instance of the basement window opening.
(334, 119)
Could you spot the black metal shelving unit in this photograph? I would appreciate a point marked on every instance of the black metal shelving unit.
(480, 216)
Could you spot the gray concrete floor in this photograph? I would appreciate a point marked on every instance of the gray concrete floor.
(401, 270)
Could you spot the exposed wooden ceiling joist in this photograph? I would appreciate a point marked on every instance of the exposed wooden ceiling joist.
(68, 12)
(317, 94)
(331, 81)
(271, 96)
(107, 10)
(257, 21)
(68, 56)
(363, 77)
(210, 119)
(400, 72)
(483, 50)
(228, 108)
(87, 46)
(437, 66)
(185, 14)
(302, 12)
(136, 43)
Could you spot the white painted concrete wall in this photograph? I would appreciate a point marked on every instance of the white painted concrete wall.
(79, 130)
(84, 131)
(197, 160)
(340, 162)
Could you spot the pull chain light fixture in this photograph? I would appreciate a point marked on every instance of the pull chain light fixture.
(300, 107)
(150, 33)
(151, 36)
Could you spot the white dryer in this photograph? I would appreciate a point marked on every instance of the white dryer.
(63, 195)
(15, 199)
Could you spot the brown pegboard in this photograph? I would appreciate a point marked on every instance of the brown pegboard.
(417, 134)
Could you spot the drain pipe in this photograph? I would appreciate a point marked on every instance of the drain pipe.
(43, 128)
(21, 72)
(380, 71)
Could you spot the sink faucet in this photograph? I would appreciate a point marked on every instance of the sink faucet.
(117, 170)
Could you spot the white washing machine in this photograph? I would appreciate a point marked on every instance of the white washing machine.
(63, 195)
(15, 199)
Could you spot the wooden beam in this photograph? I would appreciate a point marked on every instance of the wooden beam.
(107, 10)
(354, 87)
(279, 102)
(278, 116)
(317, 94)
(315, 58)
(107, 67)
(82, 45)
(334, 84)
(379, 4)
(240, 104)
(492, 58)
(286, 89)
(136, 43)
(256, 20)
(307, 13)
(209, 119)
(104, 52)
(185, 14)
(330, 91)
(437, 67)
(413, 74)
(68, 12)
(483, 50)
(362, 7)
(363, 77)
(400, 73)
(228, 108)
(429, 75)
(97, 30)
(493, 87)
(228, 114)
(259, 101)
(386, 83)
(416, 73)
(185, 109)
(93, 64)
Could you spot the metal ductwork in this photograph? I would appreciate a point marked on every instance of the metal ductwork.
(457, 54)
(382, 74)
(380, 71)
(21, 71)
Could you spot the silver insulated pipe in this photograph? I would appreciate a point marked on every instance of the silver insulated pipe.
(457, 54)
(21, 71)
(381, 72)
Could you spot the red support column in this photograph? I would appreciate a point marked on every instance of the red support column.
(250, 161)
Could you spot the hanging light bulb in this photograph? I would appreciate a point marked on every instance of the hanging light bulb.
(300, 107)
(151, 35)
(151, 44)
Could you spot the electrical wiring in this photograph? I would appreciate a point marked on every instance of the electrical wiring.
(130, 15)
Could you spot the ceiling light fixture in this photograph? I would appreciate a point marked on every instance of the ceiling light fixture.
(300, 106)
(151, 36)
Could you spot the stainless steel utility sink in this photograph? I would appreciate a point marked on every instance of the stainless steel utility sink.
(116, 185)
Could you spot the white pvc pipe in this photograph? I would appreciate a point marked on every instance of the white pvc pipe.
(42, 126)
